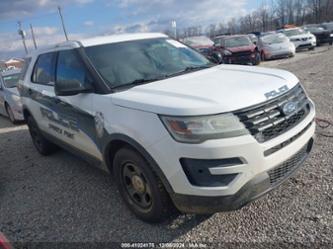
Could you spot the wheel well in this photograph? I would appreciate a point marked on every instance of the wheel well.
(26, 114)
(112, 149)
(123, 141)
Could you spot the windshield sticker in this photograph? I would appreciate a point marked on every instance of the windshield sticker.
(176, 44)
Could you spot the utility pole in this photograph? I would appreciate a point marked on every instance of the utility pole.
(62, 21)
(33, 36)
(174, 26)
(22, 33)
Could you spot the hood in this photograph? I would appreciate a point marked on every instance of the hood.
(278, 46)
(307, 35)
(242, 49)
(215, 90)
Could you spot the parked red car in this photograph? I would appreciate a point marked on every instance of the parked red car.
(237, 49)
(4, 243)
(205, 46)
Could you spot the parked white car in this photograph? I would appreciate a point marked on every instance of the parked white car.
(175, 129)
(301, 38)
(10, 101)
(274, 46)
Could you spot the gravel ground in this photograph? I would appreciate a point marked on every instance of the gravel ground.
(63, 199)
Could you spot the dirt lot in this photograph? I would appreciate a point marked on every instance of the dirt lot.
(62, 198)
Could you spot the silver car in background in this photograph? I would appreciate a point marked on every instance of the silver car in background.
(10, 101)
(275, 46)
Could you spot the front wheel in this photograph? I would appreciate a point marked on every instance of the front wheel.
(139, 186)
(43, 146)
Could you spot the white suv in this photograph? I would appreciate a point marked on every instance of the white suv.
(175, 130)
(302, 39)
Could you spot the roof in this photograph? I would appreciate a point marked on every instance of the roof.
(231, 36)
(119, 38)
(99, 40)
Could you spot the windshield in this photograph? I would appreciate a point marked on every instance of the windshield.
(274, 39)
(237, 42)
(293, 32)
(10, 81)
(199, 41)
(125, 63)
(315, 29)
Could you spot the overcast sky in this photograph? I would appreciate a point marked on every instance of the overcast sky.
(84, 18)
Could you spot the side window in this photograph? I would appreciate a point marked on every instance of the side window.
(44, 69)
(71, 68)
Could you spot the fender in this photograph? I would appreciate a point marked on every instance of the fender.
(113, 144)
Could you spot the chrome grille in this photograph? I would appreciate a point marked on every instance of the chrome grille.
(268, 120)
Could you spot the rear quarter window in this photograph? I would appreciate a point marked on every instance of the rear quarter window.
(44, 69)
(25, 68)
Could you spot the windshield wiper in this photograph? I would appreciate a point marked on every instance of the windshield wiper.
(138, 82)
(190, 69)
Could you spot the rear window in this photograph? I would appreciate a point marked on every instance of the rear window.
(44, 69)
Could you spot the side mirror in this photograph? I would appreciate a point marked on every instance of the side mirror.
(71, 87)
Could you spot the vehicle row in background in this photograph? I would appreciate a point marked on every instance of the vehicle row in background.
(10, 101)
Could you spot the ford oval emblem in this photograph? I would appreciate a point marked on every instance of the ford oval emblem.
(289, 108)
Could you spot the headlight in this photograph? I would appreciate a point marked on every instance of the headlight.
(331, 35)
(227, 52)
(200, 129)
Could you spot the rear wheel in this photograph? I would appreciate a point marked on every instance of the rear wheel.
(10, 114)
(43, 146)
(140, 187)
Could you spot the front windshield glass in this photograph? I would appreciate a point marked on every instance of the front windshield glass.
(274, 39)
(10, 81)
(237, 42)
(142, 60)
(315, 29)
(293, 32)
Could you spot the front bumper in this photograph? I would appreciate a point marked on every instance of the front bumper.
(254, 189)
(242, 60)
(168, 154)
(279, 54)
(305, 44)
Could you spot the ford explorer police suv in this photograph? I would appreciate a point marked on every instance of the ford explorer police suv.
(176, 131)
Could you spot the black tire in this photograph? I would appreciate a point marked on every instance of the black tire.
(10, 114)
(263, 56)
(43, 146)
(257, 59)
(140, 187)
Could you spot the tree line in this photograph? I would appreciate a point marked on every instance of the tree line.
(271, 15)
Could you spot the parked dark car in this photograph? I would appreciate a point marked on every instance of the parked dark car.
(322, 35)
(237, 49)
(205, 46)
